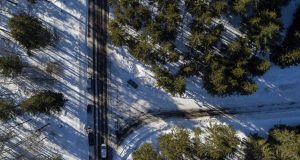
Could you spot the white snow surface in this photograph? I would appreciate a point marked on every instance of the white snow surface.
(277, 87)
(65, 135)
(278, 92)
(244, 124)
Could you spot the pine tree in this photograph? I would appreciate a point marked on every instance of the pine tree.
(29, 32)
(116, 33)
(256, 148)
(222, 141)
(289, 53)
(248, 87)
(286, 143)
(46, 102)
(32, 1)
(220, 6)
(263, 29)
(240, 6)
(289, 58)
(232, 72)
(7, 110)
(258, 66)
(173, 84)
(175, 145)
(10, 65)
(145, 152)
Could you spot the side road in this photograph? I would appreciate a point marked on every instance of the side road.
(147, 118)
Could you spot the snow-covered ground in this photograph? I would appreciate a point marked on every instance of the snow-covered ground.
(65, 133)
(244, 124)
(277, 88)
(278, 92)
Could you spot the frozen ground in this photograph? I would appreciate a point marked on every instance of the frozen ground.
(65, 133)
(278, 87)
(244, 124)
(278, 92)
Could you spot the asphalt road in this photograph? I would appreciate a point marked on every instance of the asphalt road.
(97, 35)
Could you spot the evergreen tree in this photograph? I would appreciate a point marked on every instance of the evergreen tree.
(286, 143)
(175, 145)
(32, 1)
(173, 84)
(133, 14)
(220, 6)
(10, 65)
(256, 148)
(222, 141)
(29, 32)
(289, 58)
(258, 66)
(203, 38)
(248, 87)
(142, 50)
(283, 143)
(289, 53)
(116, 33)
(264, 29)
(146, 152)
(233, 71)
(153, 30)
(240, 6)
(7, 110)
(199, 149)
(168, 53)
(44, 102)
(271, 5)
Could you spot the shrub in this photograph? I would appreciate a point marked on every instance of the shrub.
(52, 68)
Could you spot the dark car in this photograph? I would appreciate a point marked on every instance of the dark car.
(89, 83)
(91, 138)
(132, 83)
(89, 108)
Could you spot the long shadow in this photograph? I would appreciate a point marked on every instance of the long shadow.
(67, 18)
